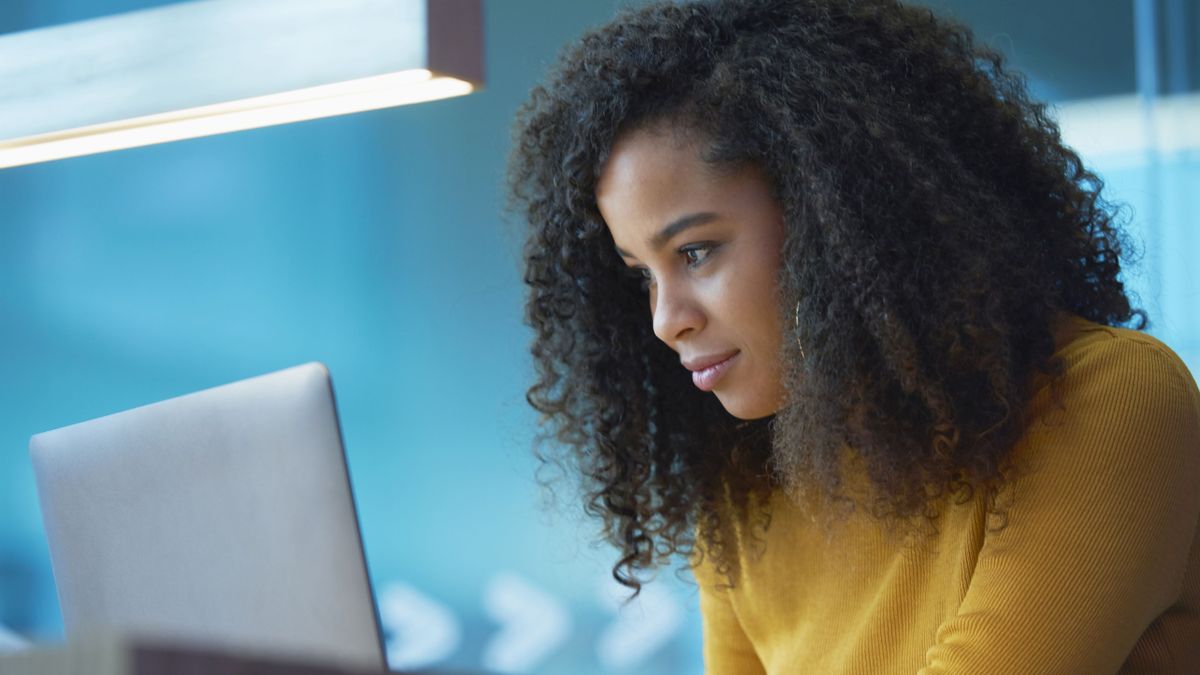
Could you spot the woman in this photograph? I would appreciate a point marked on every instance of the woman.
(886, 396)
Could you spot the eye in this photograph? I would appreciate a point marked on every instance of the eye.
(697, 254)
(642, 275)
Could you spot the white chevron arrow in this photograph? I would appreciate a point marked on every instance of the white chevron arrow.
(11, 642)
(641, 628)
(532, 624)
(421, 630)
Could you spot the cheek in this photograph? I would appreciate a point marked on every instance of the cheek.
(758, 303)
(745, 309)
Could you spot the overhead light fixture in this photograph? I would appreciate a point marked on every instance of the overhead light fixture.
(212, 66)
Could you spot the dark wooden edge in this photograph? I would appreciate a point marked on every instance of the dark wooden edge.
(455, 39)
(157, 659)
(162, 659)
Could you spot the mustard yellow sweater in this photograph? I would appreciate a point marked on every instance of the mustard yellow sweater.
(1097, 570)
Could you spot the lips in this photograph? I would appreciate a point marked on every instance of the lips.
(701, 362)
(707, 370)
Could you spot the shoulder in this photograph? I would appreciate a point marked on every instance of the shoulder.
(1125, 398)
(1096, 356)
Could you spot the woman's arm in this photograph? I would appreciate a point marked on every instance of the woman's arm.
(727, 649)
(1099, 534)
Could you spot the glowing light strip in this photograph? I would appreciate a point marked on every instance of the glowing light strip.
(370, 93)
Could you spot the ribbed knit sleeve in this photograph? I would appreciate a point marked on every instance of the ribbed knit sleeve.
(726, 647)
(1100, 529)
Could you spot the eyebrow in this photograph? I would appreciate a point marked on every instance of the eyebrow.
(669, 232)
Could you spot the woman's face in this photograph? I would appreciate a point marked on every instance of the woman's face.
(707, 242)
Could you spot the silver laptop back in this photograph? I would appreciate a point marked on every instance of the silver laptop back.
(224, 517)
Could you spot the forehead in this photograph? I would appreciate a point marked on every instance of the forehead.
(653, 177)
(650, 154)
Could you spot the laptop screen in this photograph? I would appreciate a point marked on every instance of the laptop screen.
(223, 517)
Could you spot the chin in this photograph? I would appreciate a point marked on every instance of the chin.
(747, 409)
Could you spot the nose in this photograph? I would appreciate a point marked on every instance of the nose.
(677, 313)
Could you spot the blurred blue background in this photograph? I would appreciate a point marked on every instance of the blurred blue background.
(374, 242)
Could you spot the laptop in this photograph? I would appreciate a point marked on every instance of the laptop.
(222, 518)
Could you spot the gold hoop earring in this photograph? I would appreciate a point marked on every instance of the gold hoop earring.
(796, 326)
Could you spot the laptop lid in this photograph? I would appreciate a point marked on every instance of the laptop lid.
(223, 517)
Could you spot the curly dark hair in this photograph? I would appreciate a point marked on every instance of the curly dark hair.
(936, 227)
